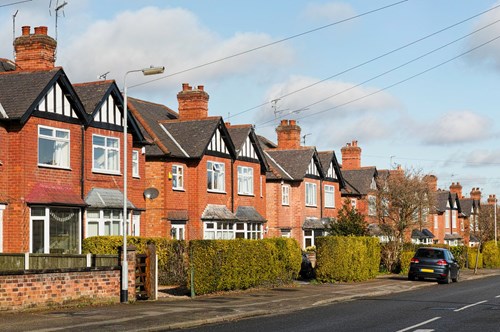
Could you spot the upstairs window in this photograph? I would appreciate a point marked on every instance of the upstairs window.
(285, 195)
(106, 154)
(329, 196)
(245, 180)
(135, 163)
(311, 194)
(177, 177)
(215, 176)
(372, 206)
(53, 147)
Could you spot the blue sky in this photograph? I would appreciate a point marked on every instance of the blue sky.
(438, 112)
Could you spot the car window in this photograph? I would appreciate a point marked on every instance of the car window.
(429, 253)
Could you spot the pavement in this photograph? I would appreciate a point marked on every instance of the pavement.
(180, 312)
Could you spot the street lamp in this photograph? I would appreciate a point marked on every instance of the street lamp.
(145, 71)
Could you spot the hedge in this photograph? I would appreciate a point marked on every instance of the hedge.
(222, 265)
(491, 255)
(347, 258)
(405, 259)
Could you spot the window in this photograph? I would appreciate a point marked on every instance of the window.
(218, 230)
(436, 222)
(447, 219)
(178, 231)
(372, 205)
(286, 233)
(329, 196)
(54, 230)
(177, 177)
(261, 186)
(135, 163)
(310, 194)
(309, 237)
(454, 219)
(105, 222)
(245, 180)
(53, 147)
(353, 203)
(249, 230)
(215, 176)
(106, 154)
(285, 195)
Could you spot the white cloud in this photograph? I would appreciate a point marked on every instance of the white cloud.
(483, 158)
(454, 128)
(330, 11)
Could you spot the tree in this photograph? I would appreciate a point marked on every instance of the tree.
(404, 200)
(486, 223)
(348, 223)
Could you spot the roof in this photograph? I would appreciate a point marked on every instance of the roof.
(424, 234)
(466, 204)
(453, 236)
(54, 194)
(249, 214)
(91, 94)
(428, 233)
(315, 223)
(106, 199)
(239, 135)
(442, 199)
(217, 212)
(359, 180)
(325, 158)
(290, 164)
(7, 65)
(20, 91)
(266, 144)
(178, 215)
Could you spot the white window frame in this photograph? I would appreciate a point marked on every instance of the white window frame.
(107, 150)
(178, 232)
(216, 177)
(447, 219)
(245, 180)
(454, 219)
(115, 218)
(248, 230)
(218, 230)
(436, 224)
(46, 227)
(285, 194)
(311, 237)
(177, 177)
(354, 202)
(372, 205)
(329, 196)
(286, 233)
(311, 194)
(135, 163)
(62, 148)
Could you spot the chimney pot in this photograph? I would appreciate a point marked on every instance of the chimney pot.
(193, 104)
(26, 30)
(351, 156)
(288, 135)
(201, 87)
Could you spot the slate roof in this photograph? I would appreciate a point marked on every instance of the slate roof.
(266, 144)
(106, 199)
(178, 215)
(249, 214)
(91, 93)
(54, 194)
(325, 158)
(454, 236)
(20, 90)
(466, 205)
(217, 212)
(239, 134)
(442, 199)
(359, 180)
(6, 65)
(315, 223)
(424, 234)
(290, 164)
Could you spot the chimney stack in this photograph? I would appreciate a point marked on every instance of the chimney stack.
(492, 199)
(432, 182)
(456, 188)
(351, 156)
(193, 103)
(35, 51)
(475, 194)
(288, 135)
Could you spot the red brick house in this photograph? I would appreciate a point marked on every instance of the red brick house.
(208, 187)
(303, 187)
(52, 154)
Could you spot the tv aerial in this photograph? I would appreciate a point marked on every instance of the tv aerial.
(57, 8)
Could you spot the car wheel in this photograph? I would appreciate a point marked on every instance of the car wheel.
(457, 277)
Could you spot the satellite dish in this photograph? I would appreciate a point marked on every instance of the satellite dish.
(151, 193)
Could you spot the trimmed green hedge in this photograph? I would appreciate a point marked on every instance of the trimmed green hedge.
(405, 259)
(347, 258)
(222, 265)
(491, 255)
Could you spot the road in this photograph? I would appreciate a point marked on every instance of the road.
(468, 306)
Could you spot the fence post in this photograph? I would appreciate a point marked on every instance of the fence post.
(26, 260)
(152, 272)
(89, 260)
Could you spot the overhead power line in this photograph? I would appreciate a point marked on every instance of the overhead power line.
(368, 61)
(14, 3)
(388, 71)
(272, 44)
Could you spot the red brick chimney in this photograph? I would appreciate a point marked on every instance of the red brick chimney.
(288, 135)
(475, 194)
(492, 199)
(351, 156)
(432, 182)
(193, 104)
(456, 188)
(34, 51)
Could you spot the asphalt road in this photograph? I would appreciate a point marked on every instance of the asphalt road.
(465, 306)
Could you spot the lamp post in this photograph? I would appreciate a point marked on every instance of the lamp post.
(495, 214)
(145, 71)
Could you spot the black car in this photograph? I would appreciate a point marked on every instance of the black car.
(434, 263)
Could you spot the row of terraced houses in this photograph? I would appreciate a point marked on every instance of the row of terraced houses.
(190, 175)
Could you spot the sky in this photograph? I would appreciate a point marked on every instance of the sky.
(415, 82)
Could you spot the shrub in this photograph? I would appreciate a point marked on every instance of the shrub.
(349, 258)
(472, 256)
(406, 257)
(491, 255)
